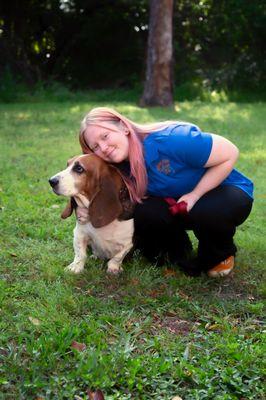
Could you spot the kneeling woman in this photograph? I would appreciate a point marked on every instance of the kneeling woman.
(175, 159)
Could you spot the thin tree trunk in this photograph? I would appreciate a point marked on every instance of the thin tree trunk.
(158, 89)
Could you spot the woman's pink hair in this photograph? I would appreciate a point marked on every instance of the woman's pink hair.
(137, 183)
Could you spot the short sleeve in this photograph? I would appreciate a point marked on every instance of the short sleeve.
(187, 144)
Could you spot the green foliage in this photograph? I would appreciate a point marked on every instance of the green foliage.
(95, 44)
(10, 89)
(220, 43)
(147, 335)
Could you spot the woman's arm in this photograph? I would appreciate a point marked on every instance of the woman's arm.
(220, 163)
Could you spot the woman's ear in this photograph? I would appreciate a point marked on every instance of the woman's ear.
(123, 127)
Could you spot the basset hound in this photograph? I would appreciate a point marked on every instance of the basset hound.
(91, 182)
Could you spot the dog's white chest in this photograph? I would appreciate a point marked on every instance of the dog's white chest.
(108, 240)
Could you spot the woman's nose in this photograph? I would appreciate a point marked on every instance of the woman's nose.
(104, 147)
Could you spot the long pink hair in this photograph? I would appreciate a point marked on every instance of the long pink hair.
(137, 183)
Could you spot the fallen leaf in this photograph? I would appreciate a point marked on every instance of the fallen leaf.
(170, 313)
(157, 292)
(134, 281)
(176, 398)
(35, 321)
(97, 395)
(154, 293)
(78, 346)
(183, 295)
(55, 206)
(155, 317)
(169, 272)
(213, 327)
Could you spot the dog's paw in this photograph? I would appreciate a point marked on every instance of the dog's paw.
(114, 271)
(114, 268)
(75, 268)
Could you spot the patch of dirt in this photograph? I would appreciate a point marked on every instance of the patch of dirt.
(173, 324)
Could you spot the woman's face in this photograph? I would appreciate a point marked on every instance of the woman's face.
(108, 141)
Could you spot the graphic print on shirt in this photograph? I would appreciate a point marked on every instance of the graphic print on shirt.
(164, 166)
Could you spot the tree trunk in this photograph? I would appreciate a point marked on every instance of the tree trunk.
(158, 89)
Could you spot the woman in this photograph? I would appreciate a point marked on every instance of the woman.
(175, 159)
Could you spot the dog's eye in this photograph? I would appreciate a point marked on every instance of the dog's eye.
(78, 168)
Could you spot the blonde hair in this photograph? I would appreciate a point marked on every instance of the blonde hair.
(137, 182)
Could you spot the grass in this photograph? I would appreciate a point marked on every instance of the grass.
(149, 333)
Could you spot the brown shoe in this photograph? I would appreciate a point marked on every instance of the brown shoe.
(223, 268)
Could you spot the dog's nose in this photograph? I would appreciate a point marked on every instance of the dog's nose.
(53, 181)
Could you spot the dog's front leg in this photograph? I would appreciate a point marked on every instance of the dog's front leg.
(114, 265)
(80, 242)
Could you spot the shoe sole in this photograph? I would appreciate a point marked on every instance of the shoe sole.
(219, 274)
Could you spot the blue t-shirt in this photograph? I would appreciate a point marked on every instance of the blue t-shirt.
(175, 159)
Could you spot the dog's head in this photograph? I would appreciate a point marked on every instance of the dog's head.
(95, 183)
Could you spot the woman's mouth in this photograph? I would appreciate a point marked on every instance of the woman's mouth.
(110, 153)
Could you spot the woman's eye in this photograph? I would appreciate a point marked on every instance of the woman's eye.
(95, 148)
(105, 136)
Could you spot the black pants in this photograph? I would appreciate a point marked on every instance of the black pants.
(213, 219)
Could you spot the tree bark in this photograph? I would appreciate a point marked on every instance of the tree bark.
(158, 89)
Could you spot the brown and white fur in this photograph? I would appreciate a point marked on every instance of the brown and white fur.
(91, 182)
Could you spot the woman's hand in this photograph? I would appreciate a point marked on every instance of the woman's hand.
(190, 198)
(82, 214)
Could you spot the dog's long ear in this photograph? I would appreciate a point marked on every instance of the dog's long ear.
(105, 206)
(71, 205)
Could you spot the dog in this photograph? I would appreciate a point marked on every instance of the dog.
(91, 182)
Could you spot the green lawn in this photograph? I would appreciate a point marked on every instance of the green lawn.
(147, 334)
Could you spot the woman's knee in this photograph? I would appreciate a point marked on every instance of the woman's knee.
(222, 208)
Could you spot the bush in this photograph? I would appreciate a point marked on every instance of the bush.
(10, 87)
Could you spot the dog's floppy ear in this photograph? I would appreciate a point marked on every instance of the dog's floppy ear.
(105, 206)
(71, 205)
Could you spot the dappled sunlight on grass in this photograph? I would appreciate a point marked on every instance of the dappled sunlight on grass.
(75, 109)
(23, 116)
(196, 112)
(44, 130)
(210, 111)
(257, 155)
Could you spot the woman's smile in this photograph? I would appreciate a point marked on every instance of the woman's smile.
(110, 153)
